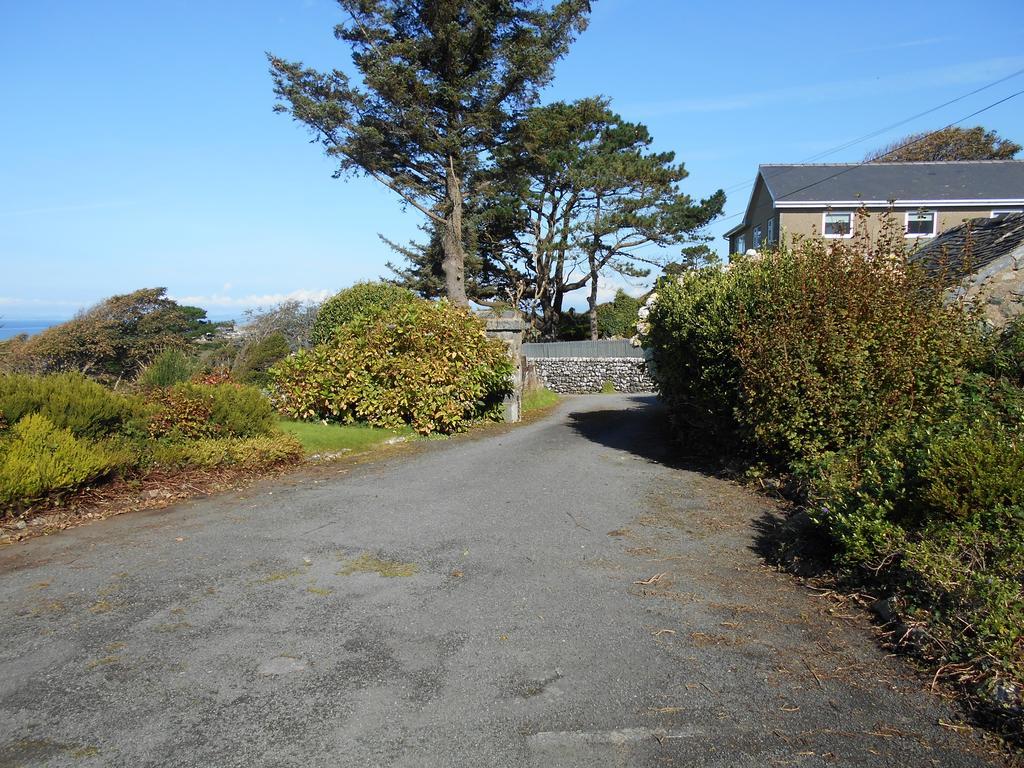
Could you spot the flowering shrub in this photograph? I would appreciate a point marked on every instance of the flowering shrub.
(426, 364)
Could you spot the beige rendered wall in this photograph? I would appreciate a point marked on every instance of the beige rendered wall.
(808, 222)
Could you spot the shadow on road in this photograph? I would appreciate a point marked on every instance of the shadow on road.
(782, 535)
(642, 429)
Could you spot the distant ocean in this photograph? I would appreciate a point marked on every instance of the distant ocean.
(10, 326)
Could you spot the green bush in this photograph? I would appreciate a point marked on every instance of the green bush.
(691, 332)
(618, 316)
(346, 305)
(1007, 357)
(844, 342)
(937, 512)
(806, 351)
(902, 418)
(170, 367)
(257, 358)
(191, 411)
(40, 459)
(429, 365)
(68, 401)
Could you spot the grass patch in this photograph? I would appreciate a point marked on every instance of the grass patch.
(536, 399)
(608, 387)
(317, 437)
(367, 563)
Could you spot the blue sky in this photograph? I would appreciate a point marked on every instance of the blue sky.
(138, 146)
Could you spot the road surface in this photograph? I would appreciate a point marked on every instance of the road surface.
(552, 595)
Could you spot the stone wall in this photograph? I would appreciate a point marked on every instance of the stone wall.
(999, 286)
(575, 375)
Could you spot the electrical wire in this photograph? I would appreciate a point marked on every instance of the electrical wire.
(852, 167)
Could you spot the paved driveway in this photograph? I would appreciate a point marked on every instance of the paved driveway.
(554, 595)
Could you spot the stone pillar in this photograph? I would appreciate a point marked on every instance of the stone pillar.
(510, 330)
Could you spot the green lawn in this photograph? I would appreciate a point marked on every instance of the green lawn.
(538, 398)
(317, 437)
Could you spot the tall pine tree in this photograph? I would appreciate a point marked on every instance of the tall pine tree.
(442, 81)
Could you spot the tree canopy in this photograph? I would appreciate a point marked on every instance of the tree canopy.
(575, 191)
(947, 144)
(442, 81)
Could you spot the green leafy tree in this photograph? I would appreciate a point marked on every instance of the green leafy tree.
(948, 144)
(114, 339)
(535, 199)
(631, 200)
(691, 257)
(575, 192)
(442, 82)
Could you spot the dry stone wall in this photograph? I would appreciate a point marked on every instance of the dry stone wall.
(999, 287)
(577, 375)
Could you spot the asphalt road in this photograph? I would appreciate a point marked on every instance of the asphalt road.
(553, 595)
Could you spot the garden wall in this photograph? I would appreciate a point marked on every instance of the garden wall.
(573, 375)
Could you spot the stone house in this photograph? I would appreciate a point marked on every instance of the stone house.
(931, 197)
(983, 259)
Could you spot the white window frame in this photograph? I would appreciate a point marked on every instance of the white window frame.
(1004, 212)
(848, 235)
(906, 223)
(757, 237)
(741, 243)
(771, 235)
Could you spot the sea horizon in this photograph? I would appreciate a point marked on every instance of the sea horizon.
(15, 326)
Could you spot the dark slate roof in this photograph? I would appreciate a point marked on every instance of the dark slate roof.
(981, 180)
(988, 239)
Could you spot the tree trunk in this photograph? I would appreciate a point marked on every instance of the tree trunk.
(592, 299)
(595, 245)
(454, 262)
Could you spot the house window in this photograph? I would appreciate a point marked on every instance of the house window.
(1002, 214)
(837, 224)
(921, 223)
(739, 244)
(772, 236)
(758, 237)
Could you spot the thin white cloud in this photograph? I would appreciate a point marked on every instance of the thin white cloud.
(253, 299)
(607, 287)
(837, 90)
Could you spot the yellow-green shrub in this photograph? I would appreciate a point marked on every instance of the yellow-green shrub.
(39, 459)
(252, 453)
(69, 401)
(426, 364)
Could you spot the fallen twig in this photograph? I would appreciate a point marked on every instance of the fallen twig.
(653, 579)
